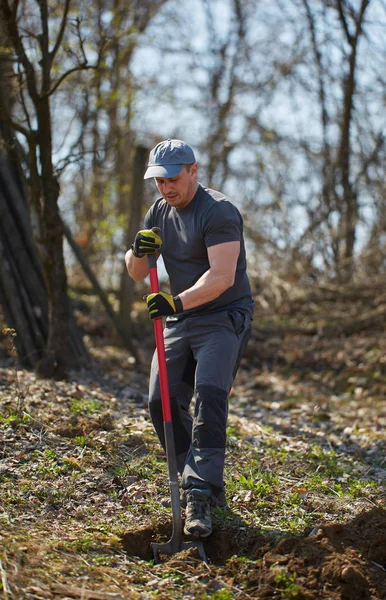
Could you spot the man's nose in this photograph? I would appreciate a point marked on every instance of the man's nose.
(167, 186)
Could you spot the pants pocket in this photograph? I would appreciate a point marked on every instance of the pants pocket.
(240, 321)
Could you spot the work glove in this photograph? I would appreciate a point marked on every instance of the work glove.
(147, 241)
(162, 305)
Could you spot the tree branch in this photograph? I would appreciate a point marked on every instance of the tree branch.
(81, 40)
(44, 40)
(71, 159)
(66, 74)
(61, 32)
(22, 99)
(344, 22)
(82, 67)
(372, 157)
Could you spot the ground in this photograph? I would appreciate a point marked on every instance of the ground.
(84, 488)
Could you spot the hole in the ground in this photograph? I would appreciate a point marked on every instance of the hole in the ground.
(138, 541)
(230, 537)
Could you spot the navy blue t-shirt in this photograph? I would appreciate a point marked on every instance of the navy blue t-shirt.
(209, 219)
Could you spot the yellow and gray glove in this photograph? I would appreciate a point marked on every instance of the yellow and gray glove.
(146, 242)
(163, 305)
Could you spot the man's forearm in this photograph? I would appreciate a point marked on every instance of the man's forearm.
(136, 267)
(209, 287)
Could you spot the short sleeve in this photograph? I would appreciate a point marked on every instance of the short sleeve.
(223, 223)
(148, 220)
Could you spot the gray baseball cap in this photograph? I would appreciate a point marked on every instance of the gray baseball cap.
(168, 158)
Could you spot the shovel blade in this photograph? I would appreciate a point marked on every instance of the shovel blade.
(173, 547)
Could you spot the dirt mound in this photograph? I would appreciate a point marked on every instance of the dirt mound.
(338, 561)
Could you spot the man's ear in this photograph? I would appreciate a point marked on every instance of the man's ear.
(194, 169)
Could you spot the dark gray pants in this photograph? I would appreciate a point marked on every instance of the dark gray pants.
(203, 353)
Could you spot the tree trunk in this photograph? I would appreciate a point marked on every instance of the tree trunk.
(23, 293)
(55, 360)
(57, 352)
(350, 209)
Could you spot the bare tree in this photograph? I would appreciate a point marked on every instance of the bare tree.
(103, 182)
(29, 36)
(332, 144)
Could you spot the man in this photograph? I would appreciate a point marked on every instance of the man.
(209, 315)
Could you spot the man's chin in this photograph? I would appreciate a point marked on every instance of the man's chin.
(173, 201)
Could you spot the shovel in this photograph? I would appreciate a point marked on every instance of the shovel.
(175, 544)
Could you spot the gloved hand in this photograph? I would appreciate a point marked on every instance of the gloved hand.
(146, 242)
(162, 305)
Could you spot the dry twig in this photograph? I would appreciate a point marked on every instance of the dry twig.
(4, 581)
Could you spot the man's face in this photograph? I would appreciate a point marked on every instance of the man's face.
(179, 191)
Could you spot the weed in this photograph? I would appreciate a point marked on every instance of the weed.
(290, 590)
(280, 454)
(258, 487)
(118, 469)
(295, 500)
(260, 483)
(82, 406)
(232, 432)
(50, 454)
(146, 467)
(327, 460)
(80, 440)
(219, 595)
(13, 419)
(49, 471)
(54, 497)
(296, 522)
(83, 544)
(49, 468)
(237, 560)
(316, 482)
(358, 489)
(175, 576)
(72, 464)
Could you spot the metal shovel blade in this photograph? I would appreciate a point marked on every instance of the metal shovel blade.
(174, 546)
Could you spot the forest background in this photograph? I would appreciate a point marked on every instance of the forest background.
(284, 104)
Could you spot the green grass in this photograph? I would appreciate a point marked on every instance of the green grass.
(70, 491)
(13, 419)
(223, 594)
(83, 406)
(258, 486)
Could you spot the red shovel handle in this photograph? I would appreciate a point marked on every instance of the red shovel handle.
(175, 544)
(160, 344)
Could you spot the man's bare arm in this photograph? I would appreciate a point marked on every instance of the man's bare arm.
(219, 277)
(136, 267)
